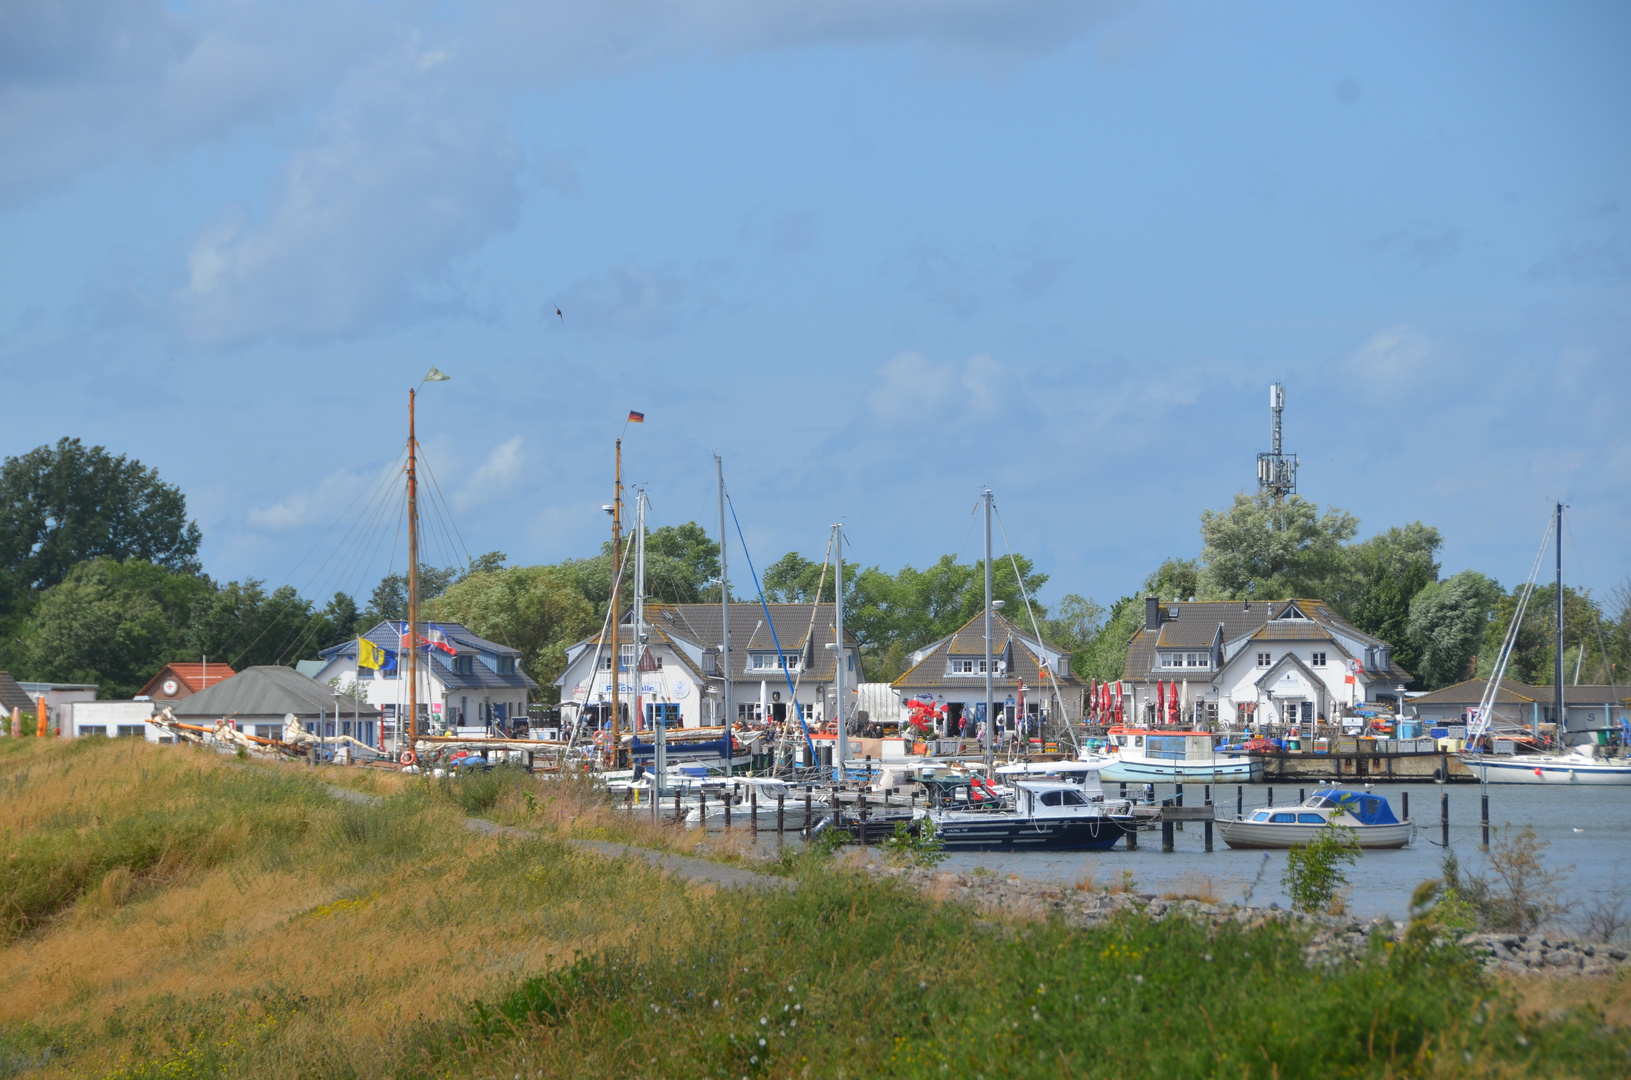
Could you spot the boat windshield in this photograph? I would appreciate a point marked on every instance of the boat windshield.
(1063, 797)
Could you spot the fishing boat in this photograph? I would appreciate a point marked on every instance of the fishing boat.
(1044, 815)
(1164, 756)
(1367, 815)
(1579, 766)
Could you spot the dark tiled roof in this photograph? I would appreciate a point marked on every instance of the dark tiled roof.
(13, 696)
(1197, 624)
(968, 641)
(269, 692)
(1471, 692)
(703, 624)
(388, 635)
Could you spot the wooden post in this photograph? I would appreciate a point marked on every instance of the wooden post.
(1240, 800)
(1166, 834)
(1132, 838)
(808, 823)
(1406, 796)
(1271, 796)
(677, 818)
(1484, 798)
(1301, 796)
(753, 810)
(1208, 834)
(16, 723)
(702, 808)
(728, 801)
(1180, 793)
(1444, 814)
(781, 815)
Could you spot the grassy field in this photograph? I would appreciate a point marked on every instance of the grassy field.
(174, 913)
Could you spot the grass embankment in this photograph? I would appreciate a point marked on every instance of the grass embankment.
(174, 913)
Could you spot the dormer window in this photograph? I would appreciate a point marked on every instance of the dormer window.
(506, 665)
(464, 665)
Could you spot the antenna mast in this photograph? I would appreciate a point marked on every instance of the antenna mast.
(1276, 471)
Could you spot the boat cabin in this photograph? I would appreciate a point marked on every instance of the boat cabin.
(1163, 744)
(1330, 806)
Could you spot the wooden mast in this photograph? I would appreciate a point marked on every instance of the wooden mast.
(412, 636)
(617, 574)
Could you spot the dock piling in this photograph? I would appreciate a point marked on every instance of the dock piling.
(809, 821)
(1132, 838)
(702, 808)
(1124, 789)
(753, 811)
(1484, 798)
(1271, 796)
(1166, 835)
(781, 815)
(1180, 794)
(1444, 814)
(676, 806)
(1240, 800)
(1405, 795)
(1301, 797)
(1208, 834)
(728, 801)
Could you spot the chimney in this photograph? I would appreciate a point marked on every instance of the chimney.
(1152, 613)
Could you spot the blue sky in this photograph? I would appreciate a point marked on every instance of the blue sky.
(878, 256)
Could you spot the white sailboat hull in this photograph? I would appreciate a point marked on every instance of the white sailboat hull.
(1565, 770)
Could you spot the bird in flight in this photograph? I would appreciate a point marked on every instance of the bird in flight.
(558, 314)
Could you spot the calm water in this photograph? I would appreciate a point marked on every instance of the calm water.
(1588, 831)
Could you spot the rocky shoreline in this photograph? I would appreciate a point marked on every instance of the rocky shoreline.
(1333, 940)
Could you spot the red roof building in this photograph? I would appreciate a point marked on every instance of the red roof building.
(176, 681)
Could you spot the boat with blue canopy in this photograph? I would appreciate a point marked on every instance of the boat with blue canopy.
(1365, 814)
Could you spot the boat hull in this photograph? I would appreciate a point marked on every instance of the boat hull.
(1004, 833)
(1182, 772)
(1536, 770)
(1266, 835)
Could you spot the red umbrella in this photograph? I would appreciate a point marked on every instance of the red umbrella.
(1160, 701)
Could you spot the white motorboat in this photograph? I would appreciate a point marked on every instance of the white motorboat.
(1046, 815)
(1580, 766)
(1156, 756)
(1367, 815)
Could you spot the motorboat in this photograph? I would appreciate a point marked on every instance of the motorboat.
(1164, 756)
(1043, 815)
(1367, 815)
(1579, 766)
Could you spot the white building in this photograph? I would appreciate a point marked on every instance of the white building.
(678, 670)
(465, 682)
(1240, 662)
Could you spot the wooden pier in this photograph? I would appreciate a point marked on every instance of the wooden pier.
(1348, 765)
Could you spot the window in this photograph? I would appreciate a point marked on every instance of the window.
(269, 731)
(1198, 659)
(1073, 798)
(365, 673)
(131, 731)
(1317, 660)
(962, 667)
(606, 662)
(464, 665)
(1264, 659)
(1310, 819)
(1283, 819)
(506, 665)
(88, 729)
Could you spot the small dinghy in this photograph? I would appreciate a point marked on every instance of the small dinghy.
(1368, 816)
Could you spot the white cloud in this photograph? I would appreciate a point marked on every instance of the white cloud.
(494, 478)
(319, 505)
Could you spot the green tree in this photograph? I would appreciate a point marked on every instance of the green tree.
(537, 610)
(67, 504)
(1175, 579)
(1075, 622)
(1380, 577)
(1447, 623)
(1534, 655)
(1105, 657)
(244, 625)
(111, 623)
(1277, 549)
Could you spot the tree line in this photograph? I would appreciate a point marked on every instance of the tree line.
(100, 582)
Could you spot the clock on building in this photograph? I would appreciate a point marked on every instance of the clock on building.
(170, 687)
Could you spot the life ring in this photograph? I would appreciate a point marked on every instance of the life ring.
(409, 757)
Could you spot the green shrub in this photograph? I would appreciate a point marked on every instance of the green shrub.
(916, 843)
(1313, 875)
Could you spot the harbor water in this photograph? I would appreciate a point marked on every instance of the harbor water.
(1587, 831)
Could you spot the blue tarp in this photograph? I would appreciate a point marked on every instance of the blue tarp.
(1369, 809)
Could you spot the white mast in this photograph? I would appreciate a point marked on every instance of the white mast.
(838, 677)
(990, 708)
(724, 602)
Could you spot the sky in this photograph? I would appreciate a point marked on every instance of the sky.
(876, 256)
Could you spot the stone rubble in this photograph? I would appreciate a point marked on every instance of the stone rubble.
(1334, 938)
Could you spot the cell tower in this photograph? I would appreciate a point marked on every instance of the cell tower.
(1276, 472)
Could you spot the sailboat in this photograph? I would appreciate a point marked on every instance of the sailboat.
(1580, 765)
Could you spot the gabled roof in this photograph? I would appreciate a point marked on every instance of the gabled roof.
(13, 696)
(1197, 622)
(1288, 660)
(387, 634)
(194, 677)
(702, 625)
(968, 641)
(269, 692)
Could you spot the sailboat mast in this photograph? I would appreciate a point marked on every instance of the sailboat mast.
(724, 602)
(838, 629)
(413, 585)
(617, 575)
(639, 602)
(1557, 667)
(990, 707)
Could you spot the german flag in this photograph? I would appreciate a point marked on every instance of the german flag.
(636, 417)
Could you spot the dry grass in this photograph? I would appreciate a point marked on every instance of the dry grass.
(1198, 887)
(324, 932)
(1551, 996)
